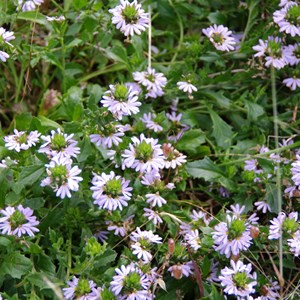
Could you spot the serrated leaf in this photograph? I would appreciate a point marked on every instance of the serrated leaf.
(104, 259)
(254, 110)
(221, 131)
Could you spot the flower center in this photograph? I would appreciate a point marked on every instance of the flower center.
(143, 151)
(113, 187)
(240, 280)
(132, 283)
(297, 52)
(150, 77)
(218, 38)
(290, 226)
(130, 14)
(82, 288)
(236, 229)
(22, 139)
(17, 219)
(293, 15)
(121, 92)
(274, 48)
(58, 142)
(144, 243)
(59, 174)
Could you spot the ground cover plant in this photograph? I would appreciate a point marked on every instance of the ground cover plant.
(149, 149)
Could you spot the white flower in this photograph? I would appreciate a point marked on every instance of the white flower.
(292, 83)
(187, 87)
(20, 140)
(56, 19)
(173, 158)
(193, 239)
(6, 36)
(3, 56)
(8, 160)
(130, 18)
(144, 155)
(294, 244)
(62, 177)
(110, 191)
(154, 82)
(220, 37)
(291, 53)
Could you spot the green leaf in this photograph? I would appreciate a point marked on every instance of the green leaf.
(221, 131)
(191, 140)
(31, 174)
(104, 259)
(16, 265)
(254, 110)
(117, 53)
(271, 197)
(33, 16)
(78, 4)
(209, 171)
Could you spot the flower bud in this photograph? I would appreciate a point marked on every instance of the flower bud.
(171, 246)
(254, 232)
(177, 271)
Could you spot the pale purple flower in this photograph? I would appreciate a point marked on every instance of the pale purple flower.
(231, 283)
(5, 163)
(193, 239)
(294, 243)
(62, 177)
(173, 158)
(273, 52)
(197, 216)
(220, 37)
(59, 144)
(139, 285)
(18, 221)
(233, 236)
(3, 56)
(152, 215)
(56, 19)
(20, 140)
(152, 81)
(287, 19)
(143, 155)
(283, 224)
(73, 290)
(149, 121)
(148, 235)
(121, 101)
(130, 18)
(111, 191)
(102, 235)
(291, 53)
(292, 82)
(29, 5)
(263, 206)
(155, 200)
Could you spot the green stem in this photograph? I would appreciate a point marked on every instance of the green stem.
(278, 171)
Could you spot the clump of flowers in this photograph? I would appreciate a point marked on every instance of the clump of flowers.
(130, 18)
(220, 37)
(18, 221)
